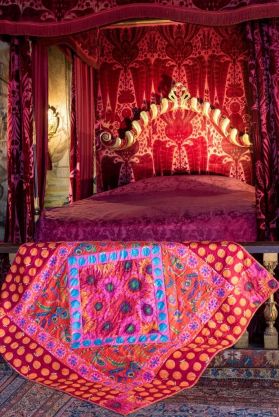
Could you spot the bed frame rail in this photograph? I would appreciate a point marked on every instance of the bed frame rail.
(251, 247)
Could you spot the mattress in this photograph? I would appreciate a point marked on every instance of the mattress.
(173, 208)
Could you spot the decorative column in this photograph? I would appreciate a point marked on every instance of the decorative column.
(270, 311)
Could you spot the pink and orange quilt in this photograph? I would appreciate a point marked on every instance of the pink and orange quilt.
(126, 324)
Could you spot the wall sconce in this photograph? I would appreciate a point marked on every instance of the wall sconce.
(53, 121)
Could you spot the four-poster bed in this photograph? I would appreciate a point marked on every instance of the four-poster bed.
(174, 208)
(125, 324)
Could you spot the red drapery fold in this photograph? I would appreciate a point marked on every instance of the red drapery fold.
(263, 78)
(40, 94)
(20, 207)
(82, 130)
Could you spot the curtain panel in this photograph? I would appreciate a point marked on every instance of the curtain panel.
(20, 205)
(40, 94)
(82, 130)
(263, 71)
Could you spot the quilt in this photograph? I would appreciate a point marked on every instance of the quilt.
(126, 324)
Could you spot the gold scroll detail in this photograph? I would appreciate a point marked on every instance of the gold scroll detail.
(178, 98)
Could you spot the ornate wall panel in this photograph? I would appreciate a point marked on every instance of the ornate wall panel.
(138, 66)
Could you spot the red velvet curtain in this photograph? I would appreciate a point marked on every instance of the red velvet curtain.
(82, 130)
(19, 223)
(263, 71)
(40, 94)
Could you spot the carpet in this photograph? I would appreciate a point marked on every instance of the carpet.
(209, 398)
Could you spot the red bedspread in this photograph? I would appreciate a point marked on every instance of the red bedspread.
(176, 208)
(126, 324)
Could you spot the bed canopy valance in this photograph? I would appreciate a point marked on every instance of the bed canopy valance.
(59, 18)
(179, 98)
(81, 23)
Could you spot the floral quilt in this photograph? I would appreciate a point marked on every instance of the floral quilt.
(126, 324)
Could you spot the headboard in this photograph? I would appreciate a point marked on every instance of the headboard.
(181, 134)
(179, 99)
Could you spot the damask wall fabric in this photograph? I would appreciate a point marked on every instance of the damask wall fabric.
(138, 66)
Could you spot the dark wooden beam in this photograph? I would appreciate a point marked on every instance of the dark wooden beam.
(8, 248)
(251, 247)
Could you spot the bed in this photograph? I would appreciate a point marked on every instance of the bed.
(171, 208)
(175, 208)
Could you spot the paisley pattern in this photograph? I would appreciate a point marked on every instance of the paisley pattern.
(113, 298)
(126, 324)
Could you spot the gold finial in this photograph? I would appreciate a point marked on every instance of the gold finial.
(270, 311)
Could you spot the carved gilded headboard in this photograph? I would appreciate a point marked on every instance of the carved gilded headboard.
(179, 98)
